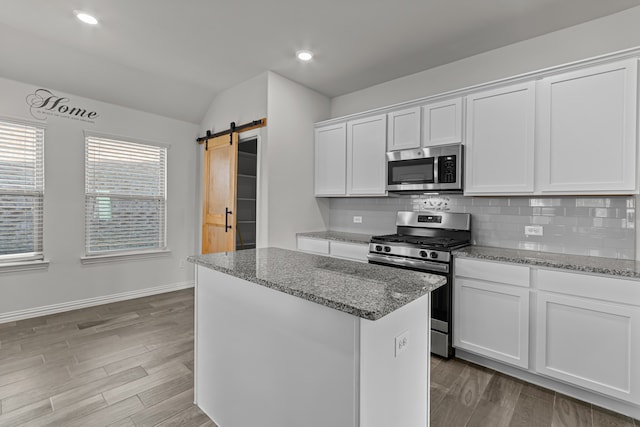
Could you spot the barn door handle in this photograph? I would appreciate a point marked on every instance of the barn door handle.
(227, 212)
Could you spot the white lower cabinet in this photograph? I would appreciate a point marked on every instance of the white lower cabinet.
(345, 250)
(582, 329)
(588, 332)
(316, 246)
(491, 317)
(351, 251)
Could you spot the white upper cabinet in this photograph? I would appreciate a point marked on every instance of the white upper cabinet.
(573, 131)
(442, 122)
(404, 129)
(331, 160)
(500, 140)
(587, 130)
(350, 158)
(366, 161)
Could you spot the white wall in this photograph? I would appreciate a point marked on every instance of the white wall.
(601, 36)
(286, 204)
(242, 103)
(292, 111)
(66, 279)
(611, 33)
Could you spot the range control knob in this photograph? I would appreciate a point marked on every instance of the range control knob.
(387, 249)
(433, 255)
(423, 254)
(378, 248)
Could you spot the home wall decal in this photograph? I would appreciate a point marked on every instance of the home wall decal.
(43, 102)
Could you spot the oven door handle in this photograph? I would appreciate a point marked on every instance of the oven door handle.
(407, 262)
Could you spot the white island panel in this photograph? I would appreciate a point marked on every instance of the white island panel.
(268, 359)
(394, 382)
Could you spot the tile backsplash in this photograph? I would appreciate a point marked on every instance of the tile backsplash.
(596, 226)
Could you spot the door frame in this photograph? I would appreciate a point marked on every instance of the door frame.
(261, 214)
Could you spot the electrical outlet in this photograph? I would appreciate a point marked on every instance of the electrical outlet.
(357, 220)
(401, 342)
(181, 264)
(533, 230)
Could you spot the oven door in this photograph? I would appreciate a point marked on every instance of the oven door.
(441, 304)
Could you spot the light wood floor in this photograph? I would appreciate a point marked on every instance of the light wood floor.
(124, 364)
(464, 394)
(131, 364)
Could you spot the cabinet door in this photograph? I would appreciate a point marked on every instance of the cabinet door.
(404, 129)
(492, 319)
(366, 161)
(352, 251)
(588, 126)
(331, 160)
(499, 141)
(589, 343)
(316, 246)
(442, 122)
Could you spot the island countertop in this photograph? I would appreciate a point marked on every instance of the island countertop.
(364, 290)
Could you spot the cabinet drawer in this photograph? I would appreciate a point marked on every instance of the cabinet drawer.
(492, 271)
(589, 286)
(317, 246)
(352, 251)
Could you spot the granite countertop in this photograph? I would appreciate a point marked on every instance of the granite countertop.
(587, 264)
(365, 290)
(339, 236)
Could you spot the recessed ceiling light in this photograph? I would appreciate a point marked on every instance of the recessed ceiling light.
(304, 55)
(86, 18)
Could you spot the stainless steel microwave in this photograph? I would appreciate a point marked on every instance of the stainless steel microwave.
(432, 169)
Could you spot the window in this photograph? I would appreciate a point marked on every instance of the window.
(21, 192)
(125, 196)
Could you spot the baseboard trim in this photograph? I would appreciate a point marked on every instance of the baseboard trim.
(29, 313)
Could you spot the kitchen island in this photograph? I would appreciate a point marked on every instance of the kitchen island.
(285, 338)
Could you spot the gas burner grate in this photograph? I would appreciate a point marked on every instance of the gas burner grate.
(423, 241)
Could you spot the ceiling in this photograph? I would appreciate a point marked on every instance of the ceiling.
(172, 57)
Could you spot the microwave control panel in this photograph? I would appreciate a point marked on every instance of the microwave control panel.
(447, 169)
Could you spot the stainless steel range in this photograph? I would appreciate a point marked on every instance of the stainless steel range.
(423, 242)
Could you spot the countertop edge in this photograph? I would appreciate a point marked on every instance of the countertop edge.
(342, 307)
(583, 264)
(337, 236)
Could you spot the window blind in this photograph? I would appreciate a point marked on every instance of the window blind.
(21, 191)
(125, 196)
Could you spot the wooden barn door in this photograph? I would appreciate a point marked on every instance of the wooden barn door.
(219, 199)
